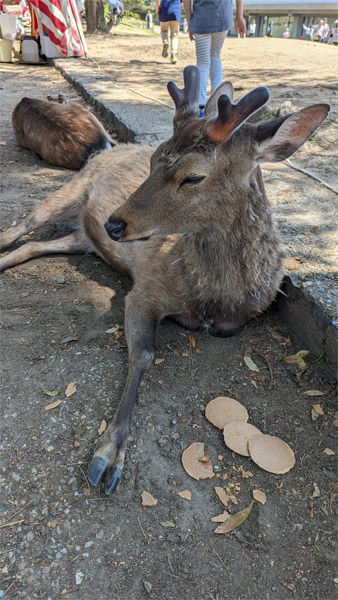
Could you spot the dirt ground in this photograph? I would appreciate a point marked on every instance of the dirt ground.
(61, 538)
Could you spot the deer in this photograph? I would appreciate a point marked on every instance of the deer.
(64, 135)
(196, 233)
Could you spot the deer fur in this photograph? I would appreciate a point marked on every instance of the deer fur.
(196, 234)
(62, 134)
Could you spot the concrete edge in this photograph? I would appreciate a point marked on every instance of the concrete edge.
(304, 317)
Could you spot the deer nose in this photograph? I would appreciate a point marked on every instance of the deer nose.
(115, 228)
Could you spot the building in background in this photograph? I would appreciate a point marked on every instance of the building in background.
(279, 15)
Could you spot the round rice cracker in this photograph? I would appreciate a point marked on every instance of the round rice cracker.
(223, 410)
(237, 434)
(271, 454)
(193, 464)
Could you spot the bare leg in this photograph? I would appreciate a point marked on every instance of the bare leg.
(107, 462)
(73, 243)
(63, 204)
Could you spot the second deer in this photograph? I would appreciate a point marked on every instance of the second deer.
(197, 236)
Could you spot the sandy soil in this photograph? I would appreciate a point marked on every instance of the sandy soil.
(63, 539)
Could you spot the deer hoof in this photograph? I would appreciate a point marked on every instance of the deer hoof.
(96, 469)
(112, 479)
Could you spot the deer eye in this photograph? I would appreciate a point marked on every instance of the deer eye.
(192, 180)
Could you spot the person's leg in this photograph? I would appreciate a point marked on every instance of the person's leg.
(174, 28)
(217, 40)
(164, 36)
(203, 43)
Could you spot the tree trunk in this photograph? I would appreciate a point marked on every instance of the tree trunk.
(100, 20)
(91, 8)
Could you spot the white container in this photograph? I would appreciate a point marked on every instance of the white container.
(48, 48)
(5, 51)
(30, 50)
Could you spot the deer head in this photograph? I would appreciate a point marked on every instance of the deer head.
(208, 169)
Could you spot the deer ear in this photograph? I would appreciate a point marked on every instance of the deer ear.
(280, 138)
(211, 106)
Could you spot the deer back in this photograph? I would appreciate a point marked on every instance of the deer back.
(65, 135)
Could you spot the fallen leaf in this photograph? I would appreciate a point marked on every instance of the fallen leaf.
(259, 496)
(223, 497)
(118, 334)
(316, 491)
(53, 405)
(70, 389)
(192, 463)
(298, 358)
(158, 361)
(192, 340)
(51, 393)
(329, 452)
(318, 409)
(271, 454)
(167, 524)
(148, 499)
(220, 518)
(234, 520)
(185, 494)
(314, 393)
(71, 338)
(250, 364)
(222, 410)
(112, 330)
(102, 427)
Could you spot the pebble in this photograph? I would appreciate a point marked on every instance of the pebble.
(173, 421)
(79, 577)
(89, 544)
(147, 586)
(60, 280)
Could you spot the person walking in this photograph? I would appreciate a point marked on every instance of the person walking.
(169, 13)
(208, 23)
(149, 19)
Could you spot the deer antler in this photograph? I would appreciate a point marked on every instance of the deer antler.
(231, 116)
(186, 100)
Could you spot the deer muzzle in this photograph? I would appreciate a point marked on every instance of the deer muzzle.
(115, 228)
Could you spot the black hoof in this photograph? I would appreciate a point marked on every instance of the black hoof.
(112, 480)
(96, 469)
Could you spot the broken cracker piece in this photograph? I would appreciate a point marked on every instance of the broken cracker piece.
(185, 494)
(220, 518)
(191, 461)
(271, 454)
(237, 434)
(148, 499)
(223, 410)
(259, 496)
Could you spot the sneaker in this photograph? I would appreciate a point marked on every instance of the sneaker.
(165, 49)
(201, 115)
(173, 59)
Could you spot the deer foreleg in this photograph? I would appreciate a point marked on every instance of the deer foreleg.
(140, 327)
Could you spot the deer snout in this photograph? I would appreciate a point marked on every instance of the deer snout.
(115, 228)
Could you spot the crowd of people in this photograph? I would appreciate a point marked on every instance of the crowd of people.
(321, 32)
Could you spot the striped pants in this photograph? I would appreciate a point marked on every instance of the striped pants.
(208, 50)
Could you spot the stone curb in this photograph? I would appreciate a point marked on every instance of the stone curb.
(304, 317)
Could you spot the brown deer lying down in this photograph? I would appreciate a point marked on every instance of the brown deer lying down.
(197, 236)
(65, 135)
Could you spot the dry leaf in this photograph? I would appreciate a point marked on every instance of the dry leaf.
(158, 361)
(259, 496)
(223, 497)
(148, 499)
(220, 518)
(112, 330)
(71, 338)
(223, 410)
(271, 454)
(234, 520)
(314, 393)
(53, 405)
(329, 452)
(298, 358)
(250, 364)
(167, 524)
(191, 460)
(70, 389)
(318, 409)
(186, 494)
(118, 334)
(192, 340)
(51, 393)
(102, 427)
(316, 491)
